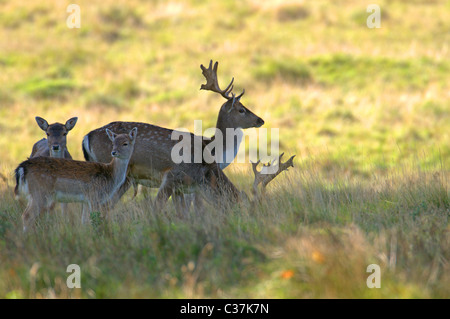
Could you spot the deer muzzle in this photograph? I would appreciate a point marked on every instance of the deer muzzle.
(259, 122)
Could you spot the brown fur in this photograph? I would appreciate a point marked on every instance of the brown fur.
(65, 168)
(46, 179)
(151, 165)
(56, 137)
(153, 160)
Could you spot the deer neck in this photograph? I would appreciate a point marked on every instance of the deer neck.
(119, 169)
(59, 154)
(231, 141)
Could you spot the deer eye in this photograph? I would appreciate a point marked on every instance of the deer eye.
(64, 134)
(241, 111)
(48, 134)
(125, 144)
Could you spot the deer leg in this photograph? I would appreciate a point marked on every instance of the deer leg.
(163, 195)
(119, 193)
(198, 203)
(87, 208)
(83, 215)
(189, 199)
(165, 191)
(29, 215)
(68, 215)
(51, 209)
(122, 190)
(32, 211)
(179, 201)
(63, 209)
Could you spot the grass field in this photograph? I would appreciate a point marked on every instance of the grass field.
(367, 111)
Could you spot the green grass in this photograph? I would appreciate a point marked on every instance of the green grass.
(38, 88)
(365, 110)
(350, 72)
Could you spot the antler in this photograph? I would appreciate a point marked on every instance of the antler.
(212, 84)
(265, 178)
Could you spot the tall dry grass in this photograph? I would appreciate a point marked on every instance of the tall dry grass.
(308, 238)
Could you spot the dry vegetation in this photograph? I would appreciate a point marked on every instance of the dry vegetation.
(365, 110)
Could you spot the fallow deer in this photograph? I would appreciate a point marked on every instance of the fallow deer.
(45, 180)
(55, 145)
(232, 115)
(152, 158)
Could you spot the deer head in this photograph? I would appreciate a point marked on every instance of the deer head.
(123, 144)
(56, 134)
(233, 113)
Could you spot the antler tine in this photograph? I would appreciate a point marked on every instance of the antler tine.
(257, 178)
(240, 95)
(254, 165)
(229, 88)
(212, 83)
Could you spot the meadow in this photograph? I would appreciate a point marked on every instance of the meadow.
(366, 111)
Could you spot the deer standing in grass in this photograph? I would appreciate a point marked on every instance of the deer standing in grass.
(151, 164)
(55, 145)
(45, 180)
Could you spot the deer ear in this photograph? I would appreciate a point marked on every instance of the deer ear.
(111, 135)
(42, 123)
(133, 133)
(71, 123)
(232, 103)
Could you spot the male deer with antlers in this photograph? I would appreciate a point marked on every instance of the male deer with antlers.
(45, 180)
(151, 164)
(232, 115)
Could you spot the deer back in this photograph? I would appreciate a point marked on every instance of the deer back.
(152, 154)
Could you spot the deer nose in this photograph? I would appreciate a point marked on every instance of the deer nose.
(55, 147)
(114, 153)
(260, 122)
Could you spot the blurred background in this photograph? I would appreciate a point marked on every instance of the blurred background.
(365, 110)
(353, 100)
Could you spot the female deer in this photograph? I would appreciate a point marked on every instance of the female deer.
(45, 180)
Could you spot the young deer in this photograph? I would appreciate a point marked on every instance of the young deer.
(152, 158)
(44, 180)
(55, 145)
